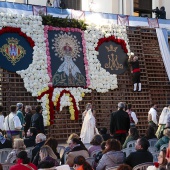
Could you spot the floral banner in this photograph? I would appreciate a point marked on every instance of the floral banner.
(16, 49)
(67, 57)
(112, 54)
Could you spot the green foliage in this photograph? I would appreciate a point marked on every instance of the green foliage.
(63, 22)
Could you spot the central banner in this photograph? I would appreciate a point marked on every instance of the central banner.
(113, 58)
(67, 58)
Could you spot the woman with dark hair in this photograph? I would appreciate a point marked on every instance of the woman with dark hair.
(77, 148)
(81, 164)
(53, 143)
(162, 161)
(133, 135)
(100, 154)
(104, 134)
(23, 162)
(95, 144)
(150, 133)
(112, 155)
(162, 158)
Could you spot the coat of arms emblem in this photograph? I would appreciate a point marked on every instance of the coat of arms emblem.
(12, 51)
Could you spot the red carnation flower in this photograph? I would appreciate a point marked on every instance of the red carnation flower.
(156, 164)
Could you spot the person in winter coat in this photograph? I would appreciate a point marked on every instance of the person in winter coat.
(95, 144)
(141, 155)
(37, 120)
(164, 139)
(77, 148)
(112, 156)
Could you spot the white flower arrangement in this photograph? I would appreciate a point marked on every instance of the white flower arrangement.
(152, 167)
(100, 79)
(36, 78)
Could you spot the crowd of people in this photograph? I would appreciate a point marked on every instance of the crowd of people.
(21, 130)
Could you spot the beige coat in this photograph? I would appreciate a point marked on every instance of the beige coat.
(72, 155)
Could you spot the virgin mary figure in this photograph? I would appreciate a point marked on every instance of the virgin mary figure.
(68, 74)
(89, 125)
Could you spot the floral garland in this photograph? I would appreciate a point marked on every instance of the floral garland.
(63, 22)
(114, 39)
(72, 108)
(49, 106)
(17, 30)
(69, 97)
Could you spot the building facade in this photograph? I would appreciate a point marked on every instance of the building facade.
(126, 7)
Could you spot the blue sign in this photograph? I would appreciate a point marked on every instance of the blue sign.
(15, 52)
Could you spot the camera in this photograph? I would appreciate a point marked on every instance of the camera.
(160, 13)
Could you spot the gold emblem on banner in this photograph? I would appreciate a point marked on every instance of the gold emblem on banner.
(113, 63)
(12, 51)
(111, 48)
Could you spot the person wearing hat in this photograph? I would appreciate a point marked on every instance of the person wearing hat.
(4, 143)
(133, 60)
(21, 117)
